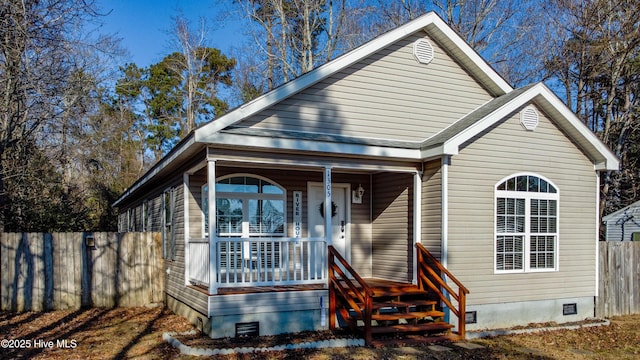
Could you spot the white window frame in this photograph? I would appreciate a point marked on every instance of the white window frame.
(527, 196)
(245, 197)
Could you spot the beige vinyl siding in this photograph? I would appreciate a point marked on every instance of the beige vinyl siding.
(195, 203)
(388, 95)
(291, 180)
(432, 207)
(499, 153)
(175, 277)
(392, 223)
(154, 223)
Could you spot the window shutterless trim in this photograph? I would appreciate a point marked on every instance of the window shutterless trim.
(528, 196)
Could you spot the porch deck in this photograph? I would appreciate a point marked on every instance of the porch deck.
(259, 289)
(380, 287)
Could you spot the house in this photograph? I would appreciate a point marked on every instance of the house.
(442, 179)
(624, 224)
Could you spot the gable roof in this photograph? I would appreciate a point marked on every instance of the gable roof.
(622, 211)
(430, 22)
(449, 140)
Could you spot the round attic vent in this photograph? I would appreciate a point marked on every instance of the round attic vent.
(423, 51)
(529, 118)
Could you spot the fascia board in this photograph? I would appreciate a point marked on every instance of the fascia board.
(434, 152)
(162, 164)
(298, 145)
(610, 162)
(475, 58)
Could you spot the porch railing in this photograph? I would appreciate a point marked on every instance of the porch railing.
(260, 261)
(352, 290)
(431, 275)
(199, 261)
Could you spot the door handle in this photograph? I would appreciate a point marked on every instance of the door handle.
(342, 226)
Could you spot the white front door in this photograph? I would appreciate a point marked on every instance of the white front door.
(340, 211)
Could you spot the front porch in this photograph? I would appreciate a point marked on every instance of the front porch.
(257, 243)
(383, 311)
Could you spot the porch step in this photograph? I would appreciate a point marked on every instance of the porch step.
(403, 304)
(412, 315)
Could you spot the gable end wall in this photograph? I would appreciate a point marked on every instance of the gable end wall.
(388, 95)
(504, 150)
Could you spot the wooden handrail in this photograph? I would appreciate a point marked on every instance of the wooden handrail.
(355, 294)
(427, 276)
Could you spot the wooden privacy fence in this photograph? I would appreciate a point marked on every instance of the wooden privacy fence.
(71, 270)
(619, 288)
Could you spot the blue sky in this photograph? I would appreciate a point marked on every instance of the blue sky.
(143, 25)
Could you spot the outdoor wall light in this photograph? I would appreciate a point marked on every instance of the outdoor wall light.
(90, 242)
(357, 195)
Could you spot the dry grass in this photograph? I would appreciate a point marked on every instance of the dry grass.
(137, 333)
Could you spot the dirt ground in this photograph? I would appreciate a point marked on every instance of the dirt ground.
(136, 333)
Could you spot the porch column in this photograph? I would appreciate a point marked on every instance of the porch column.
(327, 204)
(187, 232)
(213, 254)
(417, 220)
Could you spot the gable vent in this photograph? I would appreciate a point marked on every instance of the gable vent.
(529, 118)
(423, 51)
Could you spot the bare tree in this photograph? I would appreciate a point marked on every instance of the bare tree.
(597, 62)
(35, 68)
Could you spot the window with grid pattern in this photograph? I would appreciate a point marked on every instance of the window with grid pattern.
(526, 219)
(246, 206)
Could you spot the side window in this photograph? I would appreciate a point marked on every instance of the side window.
(168, 222)
(526, 225)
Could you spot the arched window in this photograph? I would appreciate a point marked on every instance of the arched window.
(246, 206)
(526, 219)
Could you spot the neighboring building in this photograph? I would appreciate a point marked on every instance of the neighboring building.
(413, 138)
(624, 224)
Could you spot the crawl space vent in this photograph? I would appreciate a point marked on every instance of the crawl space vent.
(423, 51)
(529, 118)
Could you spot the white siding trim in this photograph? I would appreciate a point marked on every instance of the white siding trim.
(311, 145)
(598, 224)
(444, 251)
(211, 179)
(187, 235)
(541, 93)
(417, 220)
(527, 196)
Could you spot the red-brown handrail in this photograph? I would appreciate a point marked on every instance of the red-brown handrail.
(432, 278)
(353, 291)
